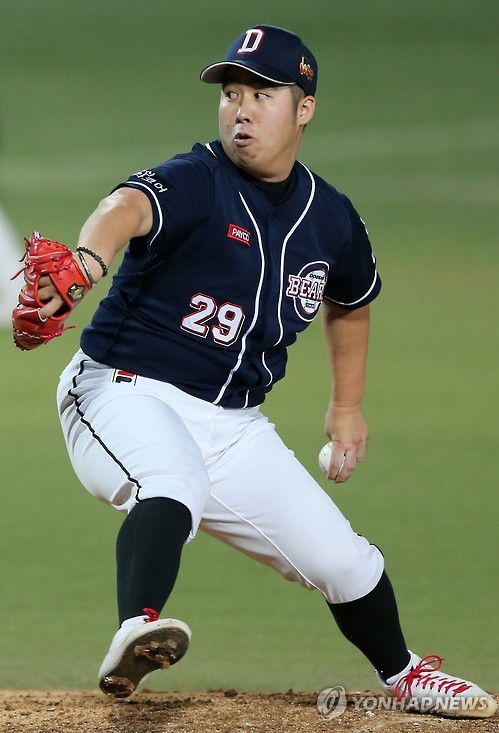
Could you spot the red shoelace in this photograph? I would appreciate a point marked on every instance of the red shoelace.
(425, 674)
(151, 614)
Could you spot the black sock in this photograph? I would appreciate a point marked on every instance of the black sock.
(148, 551)
(372, 624)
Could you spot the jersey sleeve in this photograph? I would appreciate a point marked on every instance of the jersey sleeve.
(355, 281)
(181, 195)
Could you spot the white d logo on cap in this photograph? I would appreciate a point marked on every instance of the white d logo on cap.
(252, 41)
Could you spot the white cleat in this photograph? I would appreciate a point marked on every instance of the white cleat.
(421, 687)
(142, 645)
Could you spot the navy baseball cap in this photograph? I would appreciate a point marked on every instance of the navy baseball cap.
(273, 53)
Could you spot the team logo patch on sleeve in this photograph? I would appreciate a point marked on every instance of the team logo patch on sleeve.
(240, 234)
(307, 289)
(120, 376)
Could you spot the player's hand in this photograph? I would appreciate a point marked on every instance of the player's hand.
(348, 432)
(52, 279)
(49, 296)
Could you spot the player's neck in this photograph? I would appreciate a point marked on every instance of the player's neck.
(277, 192)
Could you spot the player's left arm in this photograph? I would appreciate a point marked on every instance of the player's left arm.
(56, 278)
(346, 333)
(124, 214)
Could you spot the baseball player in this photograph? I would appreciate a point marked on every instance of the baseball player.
(230, 250)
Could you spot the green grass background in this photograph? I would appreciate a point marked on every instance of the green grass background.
(408, 125)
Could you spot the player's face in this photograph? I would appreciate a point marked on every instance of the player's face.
(261, 126)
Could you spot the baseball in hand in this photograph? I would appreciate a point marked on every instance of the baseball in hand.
(325, 457)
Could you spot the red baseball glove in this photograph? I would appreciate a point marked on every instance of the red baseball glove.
(55, 260)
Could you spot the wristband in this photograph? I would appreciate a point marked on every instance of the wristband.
(86, 268)
(96, 257)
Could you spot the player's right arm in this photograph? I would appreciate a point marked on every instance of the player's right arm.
(121, 216)
(346, 334)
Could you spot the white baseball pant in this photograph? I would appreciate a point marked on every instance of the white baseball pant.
(130, 438)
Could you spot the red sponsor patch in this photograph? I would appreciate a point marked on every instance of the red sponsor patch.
(242, 235)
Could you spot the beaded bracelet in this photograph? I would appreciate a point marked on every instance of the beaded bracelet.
(96, 257)
(86, 268)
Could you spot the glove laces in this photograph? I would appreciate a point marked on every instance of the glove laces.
(151, 614)
(426, 676)
(54, 256)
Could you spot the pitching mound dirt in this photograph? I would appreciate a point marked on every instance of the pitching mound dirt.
(213, 712)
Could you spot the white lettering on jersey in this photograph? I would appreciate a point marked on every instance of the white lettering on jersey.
(252, 41)
(148, 177)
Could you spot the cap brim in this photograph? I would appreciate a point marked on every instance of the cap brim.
(214, 74)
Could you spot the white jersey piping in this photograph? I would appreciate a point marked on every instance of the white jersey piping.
(255, 317)
(359, 300)
(283, 253)
(160, 214)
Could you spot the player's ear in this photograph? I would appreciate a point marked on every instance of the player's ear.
(306, 109)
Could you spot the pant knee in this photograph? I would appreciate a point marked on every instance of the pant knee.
(346, 575)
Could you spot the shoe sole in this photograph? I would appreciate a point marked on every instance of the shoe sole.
(157, 649)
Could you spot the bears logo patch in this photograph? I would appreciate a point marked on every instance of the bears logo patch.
(307, 289)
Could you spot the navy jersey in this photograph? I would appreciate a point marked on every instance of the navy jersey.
(211, 299)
